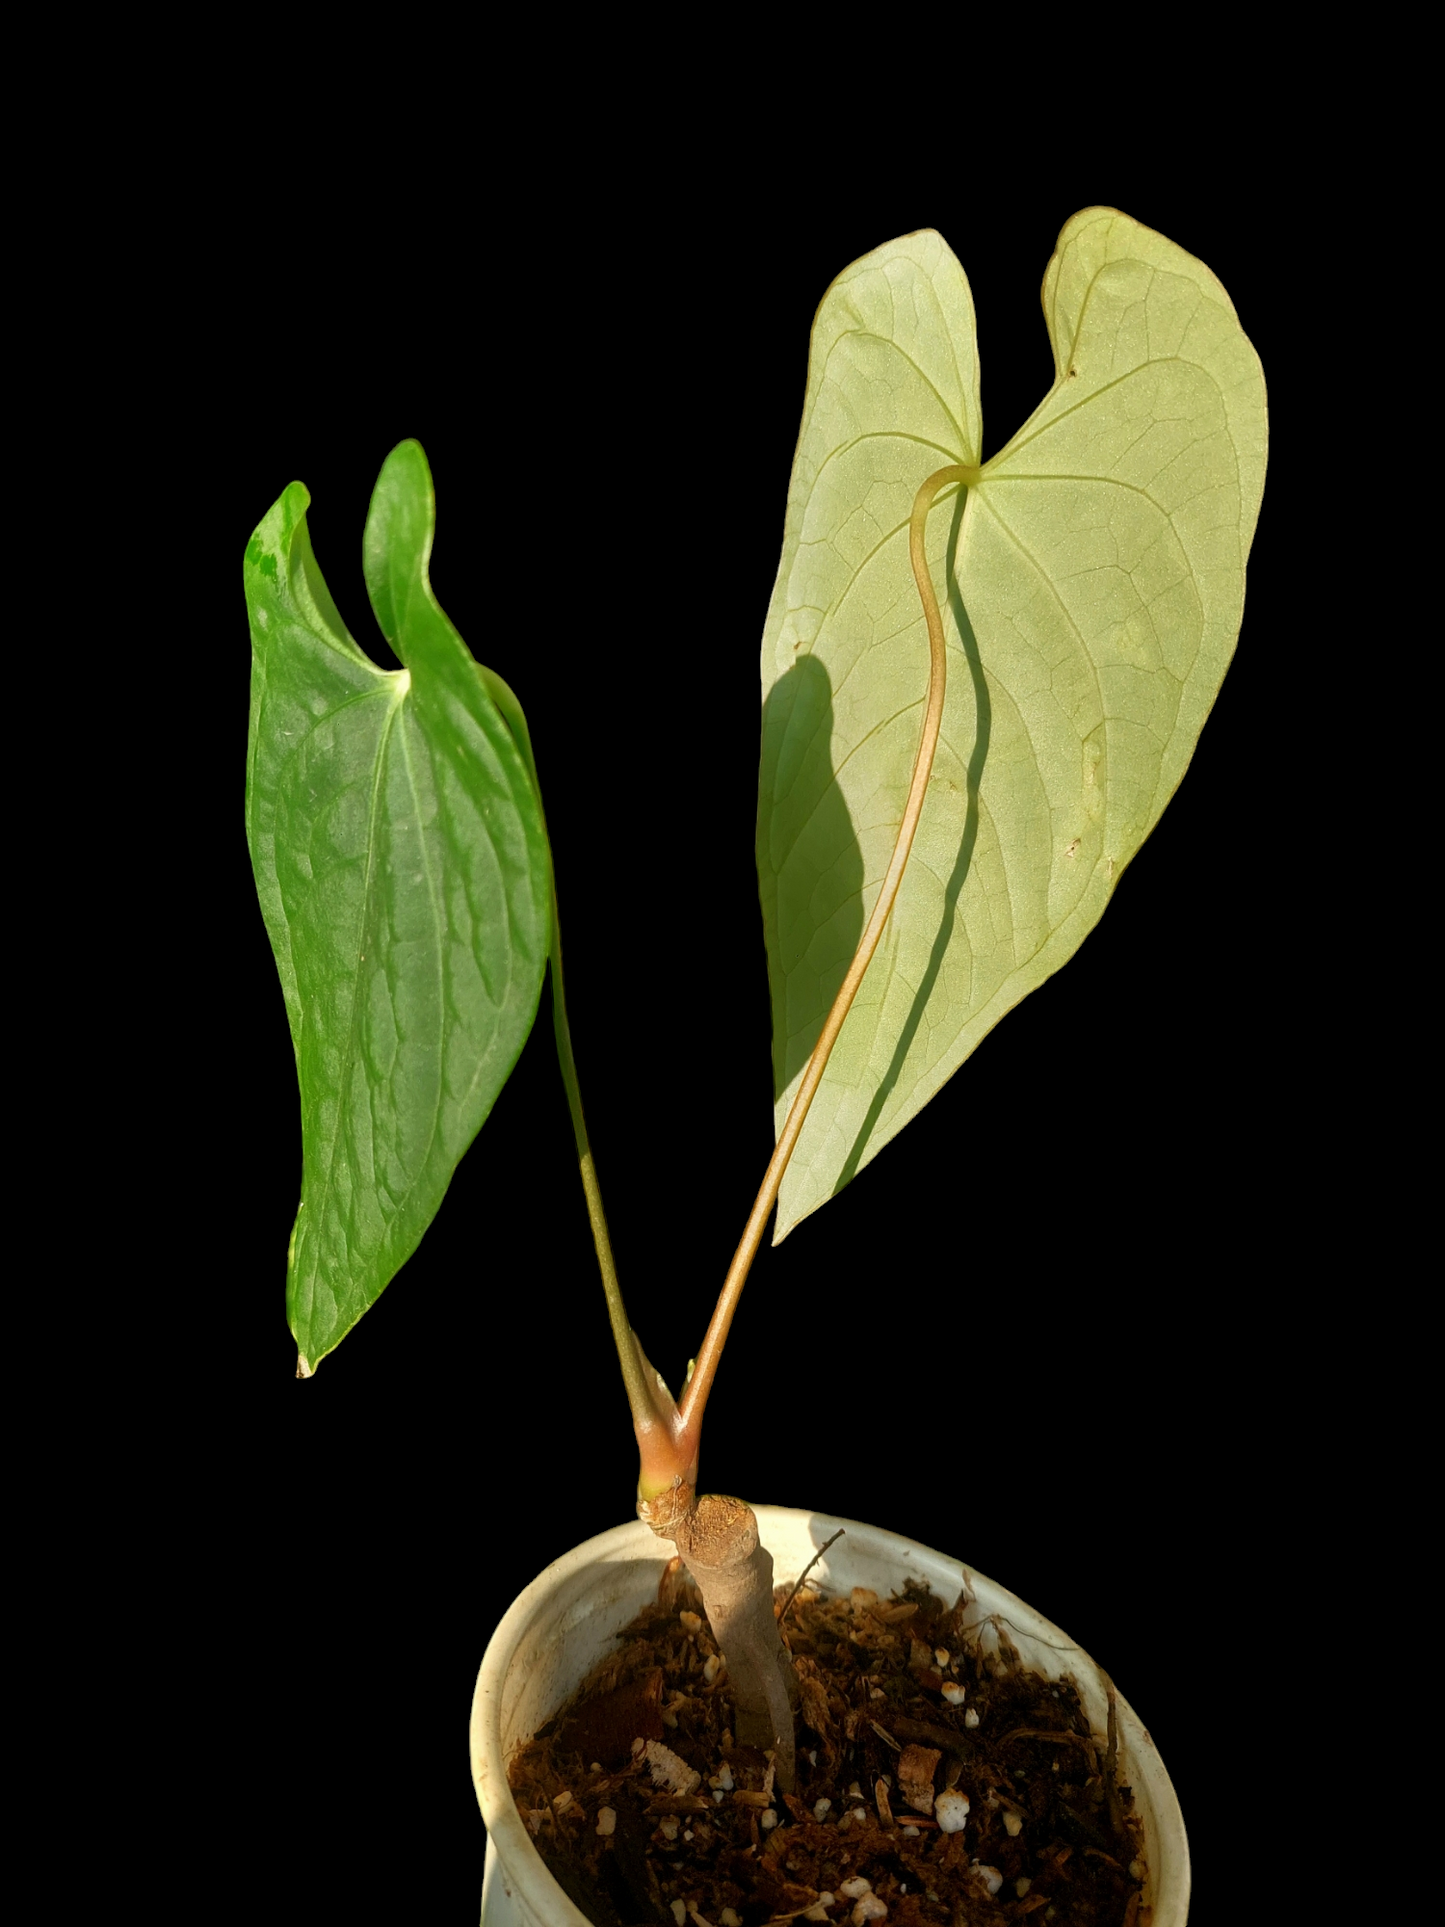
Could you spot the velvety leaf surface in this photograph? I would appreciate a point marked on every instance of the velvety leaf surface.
(402, 868)
(1095, 584)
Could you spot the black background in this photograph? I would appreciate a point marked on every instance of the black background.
(1029, 1334)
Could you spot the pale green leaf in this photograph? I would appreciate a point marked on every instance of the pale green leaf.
(1094, 582)
(402, 867)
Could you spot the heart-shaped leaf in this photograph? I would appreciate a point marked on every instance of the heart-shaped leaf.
(402, 867)
(1094, 580)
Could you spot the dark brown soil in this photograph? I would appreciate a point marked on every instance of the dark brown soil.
(878, 1739)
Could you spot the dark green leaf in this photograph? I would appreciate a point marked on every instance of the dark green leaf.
(401, 863)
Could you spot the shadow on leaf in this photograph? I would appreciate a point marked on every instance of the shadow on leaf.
(811, 870)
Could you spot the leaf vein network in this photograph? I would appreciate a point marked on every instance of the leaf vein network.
(867, 334)
(349, 1057)
(1022, 440)
(1043, 576)
(878, 435)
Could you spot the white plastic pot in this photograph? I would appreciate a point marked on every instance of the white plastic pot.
(559, 1628)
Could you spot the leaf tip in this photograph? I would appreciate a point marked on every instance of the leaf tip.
(409, 456)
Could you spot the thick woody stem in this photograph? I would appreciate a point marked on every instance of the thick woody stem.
(718, 1540)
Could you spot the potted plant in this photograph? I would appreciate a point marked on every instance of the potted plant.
(982, 681)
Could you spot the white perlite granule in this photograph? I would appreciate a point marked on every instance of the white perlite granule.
(950, 1810)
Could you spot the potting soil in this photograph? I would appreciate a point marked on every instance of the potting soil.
(646, 1812)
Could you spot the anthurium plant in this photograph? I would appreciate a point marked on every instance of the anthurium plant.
(982, 680)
